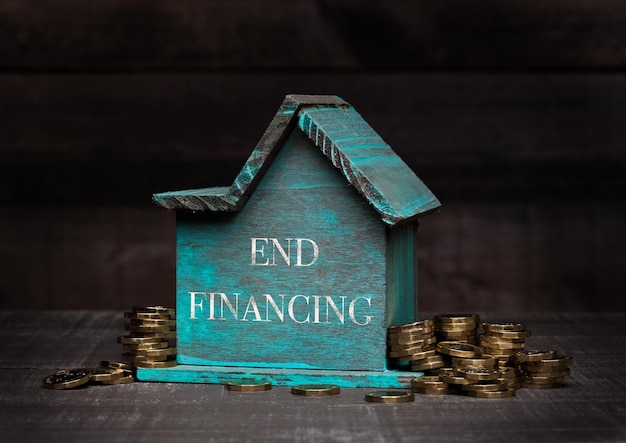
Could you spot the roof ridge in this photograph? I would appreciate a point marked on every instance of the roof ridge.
(366, 161)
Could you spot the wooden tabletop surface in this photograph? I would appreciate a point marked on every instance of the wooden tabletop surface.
(591, 406)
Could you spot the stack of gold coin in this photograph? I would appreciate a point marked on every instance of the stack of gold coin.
(543, 369)
(414, 344)
(456, 327)
(151, 339)
(502, 340)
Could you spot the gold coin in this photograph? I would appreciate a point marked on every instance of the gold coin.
(116, 365)
(485, 386)
(419, 355)
(440, 372)
(159, 335)
(503, 326)
(142, 329)
(458, 349)
(502, 344)
(130, 340)
(509, 373)
(533, 355)
(428, 381)
(127, 377)
(491, 394)
(429, 340)
(154, 309)
(560, 373)
(509, 334)
(478, 374)
(106, 374)
(476, 362)
(416, 350)
(411, 335)
(133, 358)
(67, 379)
(499, 352)
(155, 352)
(156, 364)
(390, 396)
(411, 327)
(432, 391)
(466, 334)
(454, 379)
(428, 365)
(315, 389)
(146, 346)
(557, 361)
(248, 385)
(144, 323)
(456, 318)
(543, 380)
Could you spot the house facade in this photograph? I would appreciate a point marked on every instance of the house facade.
(307, 258)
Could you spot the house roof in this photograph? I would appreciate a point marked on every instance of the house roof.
(353, 147)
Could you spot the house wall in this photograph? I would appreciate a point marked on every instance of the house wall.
(298, 271)
(513, 113)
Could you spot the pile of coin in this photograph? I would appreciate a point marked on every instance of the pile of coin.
(542, 369)
(414, 344)
(151, 339)
(491, 365)
(503, 340)
(108, 373)
(456, 327)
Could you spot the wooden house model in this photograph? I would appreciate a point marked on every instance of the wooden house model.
(295, 271)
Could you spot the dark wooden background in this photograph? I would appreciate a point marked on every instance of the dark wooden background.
(513, 113)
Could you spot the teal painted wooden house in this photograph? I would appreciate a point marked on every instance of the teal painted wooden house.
(295, 271)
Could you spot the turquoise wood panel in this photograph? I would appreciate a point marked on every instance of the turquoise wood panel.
(367, 162)
(402, 274)
(280, 377)
(316, 301)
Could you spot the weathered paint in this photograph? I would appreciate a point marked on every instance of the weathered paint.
(365, 160)
(302, 197)
(253, 298)
(401, 275)
(280, 377)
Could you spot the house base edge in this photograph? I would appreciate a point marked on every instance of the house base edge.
(279, 377)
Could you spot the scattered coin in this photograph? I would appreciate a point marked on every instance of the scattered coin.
(67, 379)
(390, 396)
(491, 394)
(315, 389)
(127, 377)
(106, 374)
(248, 385)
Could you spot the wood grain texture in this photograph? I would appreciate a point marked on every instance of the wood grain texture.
(534, 256)
(353, 147)
(301, 196)
(589, 408)
(87, 257)
(325, 34)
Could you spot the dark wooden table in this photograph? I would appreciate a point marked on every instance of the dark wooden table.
(590, 407)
